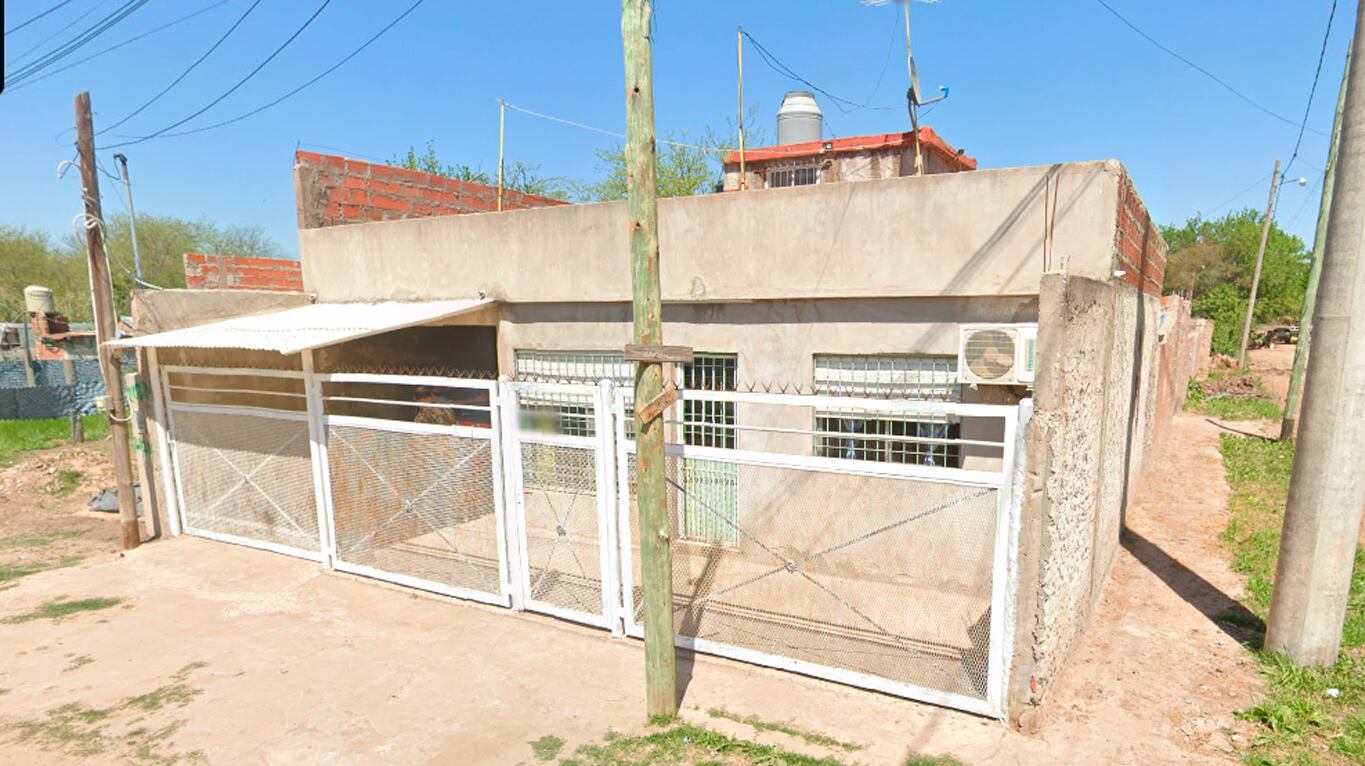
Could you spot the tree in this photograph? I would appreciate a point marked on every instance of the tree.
(517, 175)
(1213, 262)
(684, 167)
(26, 258)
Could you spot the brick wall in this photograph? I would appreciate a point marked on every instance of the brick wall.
(331, 190)
(1139, 249)
(235, 272)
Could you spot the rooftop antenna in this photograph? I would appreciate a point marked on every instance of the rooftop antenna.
(912, 94)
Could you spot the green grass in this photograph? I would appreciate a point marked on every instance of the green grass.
(1231, 407)
(933, 760)
(814, 738)
(60, 610)
(10, 572)
(1299, 720)
(38, 540)
(547, 747)
(18, 436)
(64, 484)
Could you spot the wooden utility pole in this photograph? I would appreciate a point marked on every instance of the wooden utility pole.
(1327, 483)
(106, 323)
(1291, 405)
(1260, 257)
(656, 567)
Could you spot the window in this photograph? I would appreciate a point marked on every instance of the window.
(705, 423)
(709, 511)
(793, 173)
(566, 414)
(866, 434)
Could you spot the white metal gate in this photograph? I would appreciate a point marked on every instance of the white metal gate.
(560, 464)
(884, 575)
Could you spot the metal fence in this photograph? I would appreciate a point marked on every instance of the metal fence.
(882, 568)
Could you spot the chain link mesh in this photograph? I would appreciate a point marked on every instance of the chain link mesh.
(247, 476)
(887, 577)
(420, 505)
(563, 538)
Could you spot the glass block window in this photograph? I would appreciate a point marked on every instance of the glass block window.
(792, 173)
(862, 434)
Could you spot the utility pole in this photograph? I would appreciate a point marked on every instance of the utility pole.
(502, 122)
(122, 161)
(912, 94)
(1260, 257)
(1327, 484)
(656, 566)
(739, 57)
(106, 323)
(1310, 295)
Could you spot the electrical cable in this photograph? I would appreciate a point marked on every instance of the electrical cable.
(323, 74)
(76, 43)
(844, 105)
(190, 68)
(234, 88)
(1198, 68)
(24, 54)
(20, 26)
(1313, 90)
(110, 49)
(1239, 194)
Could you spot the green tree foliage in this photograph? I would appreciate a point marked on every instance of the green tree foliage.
(1213, 262)
(517, 176)
(32, 258)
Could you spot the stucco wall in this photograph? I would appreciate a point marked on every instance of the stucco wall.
(953, 234)
(162, 310)
(1090, 433)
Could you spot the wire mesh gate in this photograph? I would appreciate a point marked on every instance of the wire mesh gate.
(887, 576)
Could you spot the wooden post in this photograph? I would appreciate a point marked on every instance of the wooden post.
(139, 394)
(77, 424)
(739, 54)
(106, 323)
(1260, 258)
(656, 568)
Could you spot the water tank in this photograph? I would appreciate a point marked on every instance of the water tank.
(799, 119)
(39, 300)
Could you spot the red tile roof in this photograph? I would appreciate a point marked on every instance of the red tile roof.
(929, 140)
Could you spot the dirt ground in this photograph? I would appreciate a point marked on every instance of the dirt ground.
(221, 654)
(1273, 365)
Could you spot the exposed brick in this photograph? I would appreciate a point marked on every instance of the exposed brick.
(227, 272)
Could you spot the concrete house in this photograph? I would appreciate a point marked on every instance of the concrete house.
(861, 494)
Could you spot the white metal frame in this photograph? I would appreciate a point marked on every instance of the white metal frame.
(492, 434)
(602, 397)
(1002, 481)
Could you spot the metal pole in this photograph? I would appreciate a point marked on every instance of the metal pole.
(132, 215)
(1310, 294)
(502, 122)
(912, 96)
(1260, 257)
(1327, 484)
(106, 323)
(739, 55)
(656, 567)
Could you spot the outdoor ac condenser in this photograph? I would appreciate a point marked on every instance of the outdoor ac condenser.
(996, 354)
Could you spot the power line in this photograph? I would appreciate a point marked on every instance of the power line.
(1238, 195)
(14, 29)
(76, 43)
(1311, 91)
(604, 131)
(844, 105)
(112, 48)
(1199, 69)
(237, 85)
(323, 74)
(24, 54)
(188, 69)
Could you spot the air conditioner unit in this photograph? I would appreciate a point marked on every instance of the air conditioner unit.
(997, 354)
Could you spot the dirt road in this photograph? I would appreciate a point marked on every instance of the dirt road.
(221, 654)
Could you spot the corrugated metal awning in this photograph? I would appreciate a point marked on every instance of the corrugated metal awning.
(298, 329)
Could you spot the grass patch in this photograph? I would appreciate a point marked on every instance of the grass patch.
(1224, 407)
(1308, 715)
(86, 732)
(64, 483)
(39, 540)
(687, 744)
(547, 747)
(59, 610)
(15, 571)
(18, 436)
(78, 662)
(813, 738)
(933, 760)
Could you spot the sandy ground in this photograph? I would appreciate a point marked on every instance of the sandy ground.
(223, 654)
(1273, 366)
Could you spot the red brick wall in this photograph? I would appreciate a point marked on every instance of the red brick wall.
(331, 190)
(232, 272)
(1139, 250)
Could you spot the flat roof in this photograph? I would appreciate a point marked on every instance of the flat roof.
(290, 331)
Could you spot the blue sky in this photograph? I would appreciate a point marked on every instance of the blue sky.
(1031, 83)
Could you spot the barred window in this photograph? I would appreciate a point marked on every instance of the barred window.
(709, 511)
(566, 414)
(866, 434)
(704, 423)
(795, 173)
